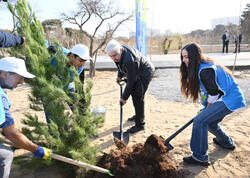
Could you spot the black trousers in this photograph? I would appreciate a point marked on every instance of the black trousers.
(138, 95)
(236, 48)
(225, 44)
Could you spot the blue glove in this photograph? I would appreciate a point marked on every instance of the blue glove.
(43, 153)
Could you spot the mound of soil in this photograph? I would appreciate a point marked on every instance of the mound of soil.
(148, 161)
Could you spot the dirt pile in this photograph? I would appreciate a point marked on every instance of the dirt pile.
(148, 161)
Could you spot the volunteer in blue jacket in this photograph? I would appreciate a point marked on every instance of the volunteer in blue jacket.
(220, 95)
(12, 72)
(77, 56)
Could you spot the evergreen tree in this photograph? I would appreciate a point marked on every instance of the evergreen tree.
(72, 122)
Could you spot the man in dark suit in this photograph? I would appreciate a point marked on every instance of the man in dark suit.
(237, 41)
(225, 39)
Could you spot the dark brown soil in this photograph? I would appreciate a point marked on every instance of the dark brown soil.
(141, 161)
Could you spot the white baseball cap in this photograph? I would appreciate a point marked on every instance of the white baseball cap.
(81, 50)
(15, 65)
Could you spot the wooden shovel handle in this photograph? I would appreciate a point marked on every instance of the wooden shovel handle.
(66, 160)
(78, 163)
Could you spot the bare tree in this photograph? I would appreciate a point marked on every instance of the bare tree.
(245, 23)
(104, 18)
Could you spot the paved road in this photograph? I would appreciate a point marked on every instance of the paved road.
(173, 60)
(166, 85)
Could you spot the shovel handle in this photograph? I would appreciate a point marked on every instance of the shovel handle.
(78, 163)
(122, 81)
(121, 113)
(178, 131)
(67, 160)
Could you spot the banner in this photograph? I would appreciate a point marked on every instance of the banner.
(141, 26)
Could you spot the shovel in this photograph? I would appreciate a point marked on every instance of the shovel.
(168, 145)
(69, 160)
(123, 136)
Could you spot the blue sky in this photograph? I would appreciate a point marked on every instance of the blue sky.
(180, 16)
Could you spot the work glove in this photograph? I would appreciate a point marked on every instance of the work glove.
(43, 153)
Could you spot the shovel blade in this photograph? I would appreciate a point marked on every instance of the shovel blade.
(168, 145)
(123, 137)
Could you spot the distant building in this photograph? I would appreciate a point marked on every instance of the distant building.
(225, 21)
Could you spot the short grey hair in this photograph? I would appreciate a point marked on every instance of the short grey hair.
(113, 45)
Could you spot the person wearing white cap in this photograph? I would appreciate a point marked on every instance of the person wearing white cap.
(78, 56)
(12, 72)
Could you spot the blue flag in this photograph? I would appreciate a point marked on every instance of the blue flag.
(141, 26)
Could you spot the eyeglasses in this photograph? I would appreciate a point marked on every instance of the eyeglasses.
(114, 55)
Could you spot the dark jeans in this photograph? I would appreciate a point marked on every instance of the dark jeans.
(225, 44)
(138, 94)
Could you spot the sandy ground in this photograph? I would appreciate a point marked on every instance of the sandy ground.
(162, 118)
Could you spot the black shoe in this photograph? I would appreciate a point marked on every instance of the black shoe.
(135, 129)
(131, 118)
(191, 160)
(229, 147)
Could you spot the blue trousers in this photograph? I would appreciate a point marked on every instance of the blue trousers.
(208, 120)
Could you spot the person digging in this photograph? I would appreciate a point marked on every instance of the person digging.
(12, 73)
(132, 65)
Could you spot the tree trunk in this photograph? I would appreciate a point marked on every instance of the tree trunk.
(91, 69)
(92, 66)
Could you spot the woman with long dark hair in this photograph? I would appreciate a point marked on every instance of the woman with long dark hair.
(220, 95)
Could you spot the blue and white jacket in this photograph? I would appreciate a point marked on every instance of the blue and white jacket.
(2, 111)
(80, 70)
(232, 96)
